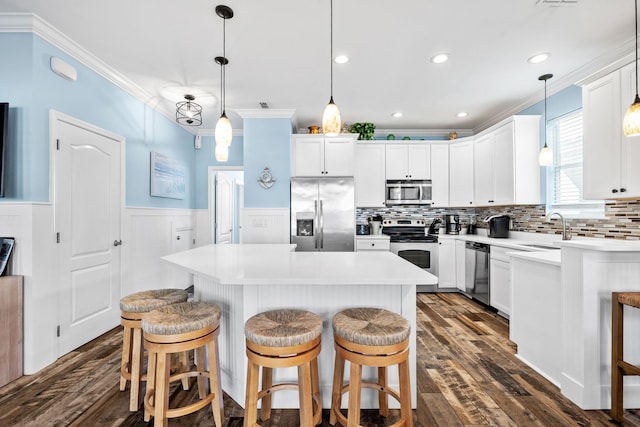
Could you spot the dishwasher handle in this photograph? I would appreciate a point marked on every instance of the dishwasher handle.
(482, 247)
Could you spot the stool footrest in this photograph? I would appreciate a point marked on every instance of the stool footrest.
(628, 368)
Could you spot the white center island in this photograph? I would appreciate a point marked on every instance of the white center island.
(247, 279)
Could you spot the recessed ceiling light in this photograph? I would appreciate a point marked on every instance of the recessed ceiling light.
(439, 58)
(396, 114)
(462, 114)
(540, 57)
(342, 59)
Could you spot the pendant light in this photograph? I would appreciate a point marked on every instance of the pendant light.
(331, 121)
(188, 112)
(631, 122)
(546, 155)
(223, 131)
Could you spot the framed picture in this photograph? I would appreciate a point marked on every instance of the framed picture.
(6, 247)
(168, 177)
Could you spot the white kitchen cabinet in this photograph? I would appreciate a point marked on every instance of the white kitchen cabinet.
(369, 174)
(372, 243)
(446, 263)
(317, 155)
(610, 158)
(440, 175)
(408, 161)
(500, 280)
(460, 264)
(506, 170)
(461, 173)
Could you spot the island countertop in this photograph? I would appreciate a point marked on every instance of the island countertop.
(278, 264)
(247, 279)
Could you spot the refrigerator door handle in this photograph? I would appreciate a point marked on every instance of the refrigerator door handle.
(316, 221)
(321, 215)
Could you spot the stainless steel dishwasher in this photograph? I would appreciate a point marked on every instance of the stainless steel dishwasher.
(476, 280)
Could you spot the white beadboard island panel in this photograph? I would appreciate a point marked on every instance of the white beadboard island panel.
(248, 279)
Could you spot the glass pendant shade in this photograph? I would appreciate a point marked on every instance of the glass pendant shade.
(631, 122)
(546, 156)
(222, 152)
(331, 120)
(223, 132)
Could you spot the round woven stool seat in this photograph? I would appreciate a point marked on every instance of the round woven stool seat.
(631, 299)
(371, 326)
(142, 302)
(181, 318)
(283, 328)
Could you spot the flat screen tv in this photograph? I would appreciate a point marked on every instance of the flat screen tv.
(4, 125)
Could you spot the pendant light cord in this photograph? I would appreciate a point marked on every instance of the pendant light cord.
(224, 66)
(331, 53)
(636, 16)
(545, 113)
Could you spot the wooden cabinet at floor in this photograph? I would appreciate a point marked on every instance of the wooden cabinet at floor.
(317, 155)
(12, 330)
(369, 175)
(506, 170)
(609, 164)
(440, 175)
(446, 263)
(460, 264)
(408, 161)
(461, 173)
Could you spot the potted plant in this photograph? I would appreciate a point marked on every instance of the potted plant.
(365, 130)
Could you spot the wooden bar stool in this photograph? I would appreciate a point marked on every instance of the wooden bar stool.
(282, 339)
(620, 368)
(178, 328)
(132, 308)
(370, 337)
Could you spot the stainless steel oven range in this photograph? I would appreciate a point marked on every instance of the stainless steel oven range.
(408, 240)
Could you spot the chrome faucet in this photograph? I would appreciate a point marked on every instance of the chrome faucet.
(566, 228)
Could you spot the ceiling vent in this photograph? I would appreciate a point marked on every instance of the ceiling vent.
(264, 105)
(556, 3)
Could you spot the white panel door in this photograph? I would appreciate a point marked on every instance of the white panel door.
(419, 161)
(369, 176)
(87, 220)
(224, 208)
(338, 155)
(396, 161)
(440, 175)
(461, 173)
(503, 169)
(483, 170)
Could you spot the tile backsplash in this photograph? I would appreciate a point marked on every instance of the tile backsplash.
(622, 218)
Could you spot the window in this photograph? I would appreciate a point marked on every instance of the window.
(564, 178)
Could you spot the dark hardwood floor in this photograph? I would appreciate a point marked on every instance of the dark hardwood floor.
(467, 376)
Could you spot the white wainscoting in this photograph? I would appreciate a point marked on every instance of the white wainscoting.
(265, 225)
(148, 234)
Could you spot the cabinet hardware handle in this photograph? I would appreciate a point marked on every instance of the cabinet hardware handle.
(117, 242)
(178, 238)
(622, 190)
(615, 190)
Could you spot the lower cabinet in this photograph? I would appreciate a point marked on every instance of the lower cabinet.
(446, 263)
(372, 243)
(500, 280)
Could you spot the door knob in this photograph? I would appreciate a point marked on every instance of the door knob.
(117, 242)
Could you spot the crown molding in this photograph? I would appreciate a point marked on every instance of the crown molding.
(267, 114)
(592, 70)
(212, 132)
(32, 23)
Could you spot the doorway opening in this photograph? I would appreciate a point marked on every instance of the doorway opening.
(226, 201)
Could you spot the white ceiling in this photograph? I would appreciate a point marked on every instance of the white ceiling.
(279, 53)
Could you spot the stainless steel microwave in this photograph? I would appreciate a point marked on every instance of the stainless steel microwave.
(412, 192)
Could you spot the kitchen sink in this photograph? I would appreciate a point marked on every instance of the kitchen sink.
(541, 246)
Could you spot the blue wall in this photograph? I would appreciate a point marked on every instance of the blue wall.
(32, 89)
(267, 143)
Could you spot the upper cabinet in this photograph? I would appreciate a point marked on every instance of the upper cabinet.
(440, 175)
(317, 155)
(369, 175)
(609, 162)
(461, 172)
(408, 161)
(506, 170)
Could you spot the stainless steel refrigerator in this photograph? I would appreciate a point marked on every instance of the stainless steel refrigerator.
(323, 214)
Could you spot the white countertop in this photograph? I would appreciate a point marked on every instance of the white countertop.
(267, 264)
(548, 257)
